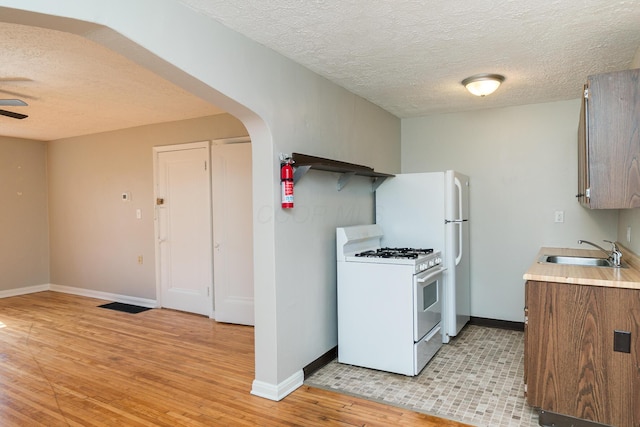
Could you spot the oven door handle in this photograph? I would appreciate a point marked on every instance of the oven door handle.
(431, 273)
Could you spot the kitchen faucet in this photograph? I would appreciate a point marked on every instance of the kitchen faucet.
(614, 256)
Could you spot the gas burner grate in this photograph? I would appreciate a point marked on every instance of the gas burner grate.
(408, 253)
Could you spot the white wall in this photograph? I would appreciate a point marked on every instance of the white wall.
(522, 162)
(630, 217)
(285, 108)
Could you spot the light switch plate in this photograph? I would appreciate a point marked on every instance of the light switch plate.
(559, 216)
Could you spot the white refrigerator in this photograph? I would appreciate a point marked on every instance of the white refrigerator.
(431, 210)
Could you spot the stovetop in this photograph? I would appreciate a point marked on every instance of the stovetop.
(395, 253)
(362, 244)
(418, 259)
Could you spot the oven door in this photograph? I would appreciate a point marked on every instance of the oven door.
(427, 301)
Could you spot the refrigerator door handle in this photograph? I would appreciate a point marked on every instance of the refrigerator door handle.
(459, 254)
(457, 224)
(458, 186)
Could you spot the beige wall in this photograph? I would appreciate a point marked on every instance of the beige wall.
(522, 162)
(635, 63)
(24, 241)
(95, 236)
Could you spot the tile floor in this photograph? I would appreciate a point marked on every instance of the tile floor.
(475, 379)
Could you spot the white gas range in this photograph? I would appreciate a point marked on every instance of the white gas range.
(389, 302)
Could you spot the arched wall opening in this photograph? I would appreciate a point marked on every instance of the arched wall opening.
(256, 127)
(286, 108)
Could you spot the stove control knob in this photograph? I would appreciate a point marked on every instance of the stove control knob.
(431, 263)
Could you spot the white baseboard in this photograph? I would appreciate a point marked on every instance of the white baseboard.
(24, 291)
(279, 391)
(143, 302)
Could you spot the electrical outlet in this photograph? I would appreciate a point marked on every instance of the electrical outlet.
(628, 234)
(139, 259)
(559, 216)
(622, 341)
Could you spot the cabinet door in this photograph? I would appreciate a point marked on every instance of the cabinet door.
(613, 140)
(572, 368)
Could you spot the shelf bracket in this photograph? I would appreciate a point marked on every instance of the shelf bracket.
(377, 182)
(299, 172)
(344, 179)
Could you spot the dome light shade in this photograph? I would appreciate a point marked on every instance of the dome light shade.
(483, 84)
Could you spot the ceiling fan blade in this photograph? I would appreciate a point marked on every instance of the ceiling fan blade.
(12, 114)
(15, 79)
(13, 102)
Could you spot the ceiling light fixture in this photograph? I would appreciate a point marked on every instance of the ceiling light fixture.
(483, 84)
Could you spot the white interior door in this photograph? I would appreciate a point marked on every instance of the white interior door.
(183, 227)
(232, 232)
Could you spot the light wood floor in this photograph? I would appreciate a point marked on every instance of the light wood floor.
(66, 362)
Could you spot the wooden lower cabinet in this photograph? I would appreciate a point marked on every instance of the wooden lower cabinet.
(571, 367)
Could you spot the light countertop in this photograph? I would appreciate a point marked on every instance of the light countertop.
(628, 277)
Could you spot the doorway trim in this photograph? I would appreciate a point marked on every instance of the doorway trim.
(234, 140)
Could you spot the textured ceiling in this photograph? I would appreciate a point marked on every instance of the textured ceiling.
(407, 56)
(75, 86)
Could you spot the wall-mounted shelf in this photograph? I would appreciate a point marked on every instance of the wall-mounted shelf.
(302, 164)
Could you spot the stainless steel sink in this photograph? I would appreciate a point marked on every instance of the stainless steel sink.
(576, 260)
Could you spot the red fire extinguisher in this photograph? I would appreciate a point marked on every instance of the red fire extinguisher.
(286, 184)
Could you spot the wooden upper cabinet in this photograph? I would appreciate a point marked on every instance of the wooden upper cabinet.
(609, 141)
